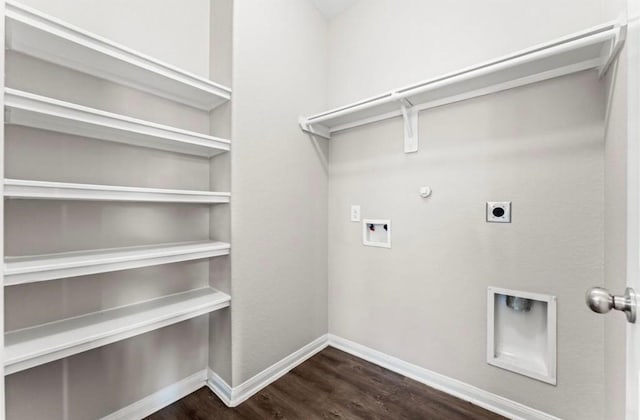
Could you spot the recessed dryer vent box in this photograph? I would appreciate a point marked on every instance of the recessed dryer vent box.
(521, 333)
(376, 233)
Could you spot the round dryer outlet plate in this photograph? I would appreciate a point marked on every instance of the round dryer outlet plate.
(499, 211)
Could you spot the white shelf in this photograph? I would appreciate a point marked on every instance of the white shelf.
(33, 33)
(34, 268)
(41, 344)
(595, 48)
(44, 190)
(30, 110)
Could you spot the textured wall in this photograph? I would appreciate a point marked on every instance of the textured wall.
(424, 300)
(220, 348)
(379, 45)
(540, 146)
(165, 30)
(279, 182)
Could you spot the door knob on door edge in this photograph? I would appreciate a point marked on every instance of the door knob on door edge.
(601, 301)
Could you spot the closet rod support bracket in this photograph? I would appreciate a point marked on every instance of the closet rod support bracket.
(410, 118)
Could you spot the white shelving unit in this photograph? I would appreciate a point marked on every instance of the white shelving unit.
(30, 32)
(595, 48)
(27, 109)
(33, 33)
(35, 268)
(44, 190)
(41, 344)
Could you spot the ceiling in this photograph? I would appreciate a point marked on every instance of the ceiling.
(331, 8)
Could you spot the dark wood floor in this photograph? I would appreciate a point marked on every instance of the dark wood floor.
(332, 385)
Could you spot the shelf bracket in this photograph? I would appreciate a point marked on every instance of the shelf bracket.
(614, 50)
(410, 117)
(317, 130)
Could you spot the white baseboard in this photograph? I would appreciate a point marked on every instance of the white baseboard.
(464, 391)
(220, 387)
(160, 399)
(237, 395)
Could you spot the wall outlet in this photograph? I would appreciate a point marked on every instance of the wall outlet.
(355, 213)
(499, 211)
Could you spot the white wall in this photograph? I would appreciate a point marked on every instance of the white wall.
(279, 183)
(221, 56)
(379, 45)
(173, 31)
(424, 300)
(540, 146)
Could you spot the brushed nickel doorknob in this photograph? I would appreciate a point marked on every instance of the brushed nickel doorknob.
(601, 301)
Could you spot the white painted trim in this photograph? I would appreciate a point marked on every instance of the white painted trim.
(34, 268)
(248, 388)
(36, 111)
(632, 357)
(160, 399)
(477, 396)
(34, 33)
(45, 190)
(220, 387)
(232, 397)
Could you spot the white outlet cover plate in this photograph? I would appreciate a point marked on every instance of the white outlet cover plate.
(355, 213)
(499, 211)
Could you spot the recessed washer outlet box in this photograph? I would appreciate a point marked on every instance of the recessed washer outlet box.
(499, 211)
(376, 232)
(521, 333)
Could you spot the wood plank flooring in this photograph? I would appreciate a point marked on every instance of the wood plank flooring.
(332, 385)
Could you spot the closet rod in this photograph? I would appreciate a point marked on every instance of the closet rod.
(592, 49)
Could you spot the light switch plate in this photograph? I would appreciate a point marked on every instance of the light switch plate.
(499, 211)
(355, 213)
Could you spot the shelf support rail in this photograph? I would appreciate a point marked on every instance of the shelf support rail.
(615, 47)
(610, 37)
(314, 130)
